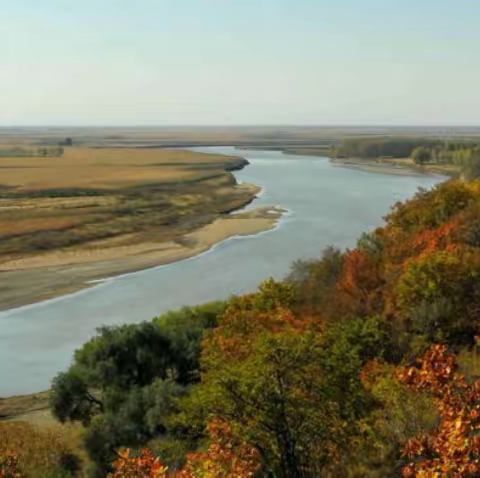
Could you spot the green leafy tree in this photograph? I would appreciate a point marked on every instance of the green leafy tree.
(421, 155)
(291, 392)
(437, 294)
(124, 382)
(470, 166)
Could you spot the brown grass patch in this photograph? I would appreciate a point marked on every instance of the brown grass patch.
(40, 451)
(103, 168)
(89, 197)
(56, 203)
(15, 227)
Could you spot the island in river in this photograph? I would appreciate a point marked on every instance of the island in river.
(98, 212)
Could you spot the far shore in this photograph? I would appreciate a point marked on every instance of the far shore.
(371, 166)
(391, 166)
(403, 167)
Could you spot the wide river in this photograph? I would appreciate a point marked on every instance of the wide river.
(327, 204)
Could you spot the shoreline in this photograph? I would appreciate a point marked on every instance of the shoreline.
(393, 168)
(32, 280)
(35, 407)
(35, 279)
(378, 168)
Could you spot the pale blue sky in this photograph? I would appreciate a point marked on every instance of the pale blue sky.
(171, 62)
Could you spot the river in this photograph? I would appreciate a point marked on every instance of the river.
(327, 205)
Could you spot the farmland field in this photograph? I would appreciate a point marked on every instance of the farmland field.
(92, 195)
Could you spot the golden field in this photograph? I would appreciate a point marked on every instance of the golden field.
(103, 168)
(91, 195)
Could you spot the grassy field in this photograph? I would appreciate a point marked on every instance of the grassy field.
(110, 196)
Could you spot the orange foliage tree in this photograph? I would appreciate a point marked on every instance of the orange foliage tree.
(145, 466)
(223, 459)
(452, 449)
(359, 286)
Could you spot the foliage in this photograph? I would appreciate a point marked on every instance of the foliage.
(221, 460)
(124, 383)
(145, 465)
(400, 414)
(421, 155)
(431, 208)
(464, 154)
(440, 278)
(292, 393)
(297, 378)
(315, 280)
(225, 457)
(453, 448)
(470, 164)
(381, 146)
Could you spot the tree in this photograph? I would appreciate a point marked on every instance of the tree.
(421, 155)
(315, 281)
(437, 296)
(125, 382)
(470, 166)
(453, 448)
(146, 465)
(223, 459)
(292, 393)
(280, 401)
(400, 414)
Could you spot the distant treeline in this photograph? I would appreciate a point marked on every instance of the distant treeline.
(465, 156)
(370, 148)
(461, 153)
(25, 152)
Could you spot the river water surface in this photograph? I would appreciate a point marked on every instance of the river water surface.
(327, 204)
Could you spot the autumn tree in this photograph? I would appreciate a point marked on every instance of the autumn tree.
(315, 281)
(146, 465)
(290, 390)
(437, 294)
(453, 448)
(224, 458)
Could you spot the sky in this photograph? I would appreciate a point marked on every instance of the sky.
(239, 62)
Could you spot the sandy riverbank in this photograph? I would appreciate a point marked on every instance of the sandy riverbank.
(32, 279)
(398, 167)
